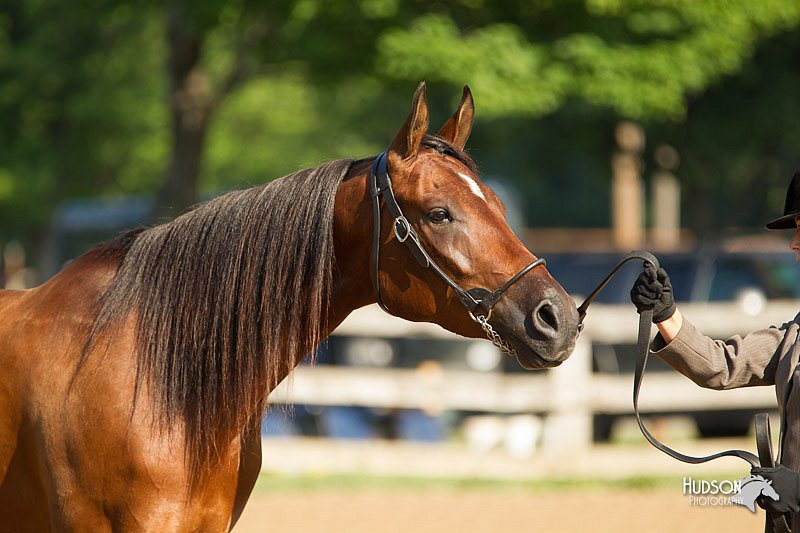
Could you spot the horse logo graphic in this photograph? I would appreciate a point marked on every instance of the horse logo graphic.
(752, 488)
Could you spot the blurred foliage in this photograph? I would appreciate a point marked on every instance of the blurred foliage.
(83, 98)
(301, 129)
(740, 142)
(639, 58)
(272, 483)
(80, 112)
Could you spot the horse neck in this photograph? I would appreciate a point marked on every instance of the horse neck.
(352, 235)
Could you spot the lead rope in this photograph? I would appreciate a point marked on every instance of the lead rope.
(763, 434)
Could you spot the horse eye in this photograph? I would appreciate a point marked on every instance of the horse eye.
(439, 215)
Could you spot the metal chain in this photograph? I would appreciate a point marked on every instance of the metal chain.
(495, 337)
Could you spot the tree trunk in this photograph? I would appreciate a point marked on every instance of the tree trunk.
(191, 104)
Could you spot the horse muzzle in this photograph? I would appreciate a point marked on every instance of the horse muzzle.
(545, 336)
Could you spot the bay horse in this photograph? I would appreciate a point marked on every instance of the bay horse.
(134, 381)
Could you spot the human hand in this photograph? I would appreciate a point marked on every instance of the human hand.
(786, 483)
(653, 290)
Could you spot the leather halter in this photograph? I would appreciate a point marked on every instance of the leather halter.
(478, 301)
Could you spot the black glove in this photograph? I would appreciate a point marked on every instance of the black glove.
(653, 290)
(786, 483)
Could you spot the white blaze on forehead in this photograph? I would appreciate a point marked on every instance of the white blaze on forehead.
(473, 185)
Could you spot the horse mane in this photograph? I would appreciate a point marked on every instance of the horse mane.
(226, 299)
(445, 148)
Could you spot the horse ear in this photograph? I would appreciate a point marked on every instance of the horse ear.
(406, 143)
(458, 127)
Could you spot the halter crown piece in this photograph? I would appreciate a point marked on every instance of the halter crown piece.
(478, 301)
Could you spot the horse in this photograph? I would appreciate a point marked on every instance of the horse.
(134, 381)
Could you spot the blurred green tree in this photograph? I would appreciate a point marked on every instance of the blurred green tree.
(80, 108)
(714, 79)
(641, 58)
(740, 142)
(120, 97)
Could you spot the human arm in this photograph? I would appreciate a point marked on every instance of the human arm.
(670, 327)
(653, 290)
(718, 364)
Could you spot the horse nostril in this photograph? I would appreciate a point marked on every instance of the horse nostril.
(547, 313)
(545, 318)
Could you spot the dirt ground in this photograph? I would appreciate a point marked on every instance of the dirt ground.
(662, 509)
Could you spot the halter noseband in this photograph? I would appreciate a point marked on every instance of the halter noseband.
(478, 301)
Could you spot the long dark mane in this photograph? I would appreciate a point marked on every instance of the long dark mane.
(226, 299)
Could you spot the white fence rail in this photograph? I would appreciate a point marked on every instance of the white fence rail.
(567, 396)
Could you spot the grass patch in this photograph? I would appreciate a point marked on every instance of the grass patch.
(276, 483)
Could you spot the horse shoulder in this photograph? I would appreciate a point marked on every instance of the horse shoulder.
(41, 337)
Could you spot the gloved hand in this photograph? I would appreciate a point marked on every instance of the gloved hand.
(786, 483)
(653, 290)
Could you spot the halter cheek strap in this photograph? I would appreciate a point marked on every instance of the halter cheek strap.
(478, 301)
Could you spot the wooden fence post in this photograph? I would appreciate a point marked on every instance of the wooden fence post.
(627, 198)
(568, 426)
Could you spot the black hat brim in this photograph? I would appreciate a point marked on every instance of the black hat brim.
(784, 222)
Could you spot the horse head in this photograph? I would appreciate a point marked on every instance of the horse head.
(461, 225)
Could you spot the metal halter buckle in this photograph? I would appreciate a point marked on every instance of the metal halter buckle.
(405, 225)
